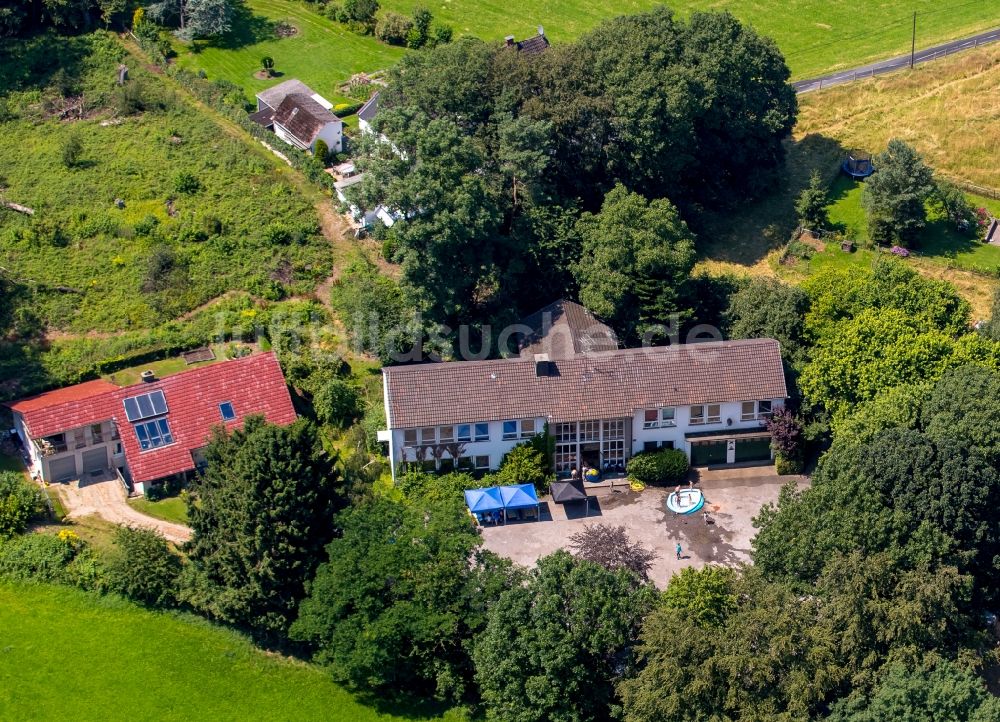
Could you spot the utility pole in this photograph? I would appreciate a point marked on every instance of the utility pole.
(913, 42)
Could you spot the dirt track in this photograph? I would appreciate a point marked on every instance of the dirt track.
(107, 500)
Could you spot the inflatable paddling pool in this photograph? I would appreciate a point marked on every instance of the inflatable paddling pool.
(691, 500)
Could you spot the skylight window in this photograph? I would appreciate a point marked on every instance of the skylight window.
(145, 405)
(227, 411)
(153, 434)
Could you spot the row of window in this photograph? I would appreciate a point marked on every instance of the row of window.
(463, 463)
(462, 433)
(704, 414)
(583, 431)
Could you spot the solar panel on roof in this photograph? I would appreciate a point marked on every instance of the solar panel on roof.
(145, 405)
(131, 409)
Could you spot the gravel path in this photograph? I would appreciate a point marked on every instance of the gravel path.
(106, 499)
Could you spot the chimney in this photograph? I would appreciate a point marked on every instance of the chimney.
(543, 367)
(148, 376)
(510, 41)
(541, 31)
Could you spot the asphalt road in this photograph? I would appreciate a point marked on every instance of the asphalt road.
(903, 61)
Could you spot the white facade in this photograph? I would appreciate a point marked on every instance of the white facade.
(711, 430)
(74, 453)
(332, 134)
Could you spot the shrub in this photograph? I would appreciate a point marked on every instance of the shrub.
(336, 403)
(60, 559)
(146, 225)
(72, 148)
(524, 464)
(784, 465)
(143, 568)
(20, 501)
(322, 151)
(267, 64)
(361, 12)
(786, 435)
(393, 28)
(440, 34)
(186, 183)
(658, 467)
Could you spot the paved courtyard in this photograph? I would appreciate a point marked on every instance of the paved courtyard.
(732, 497)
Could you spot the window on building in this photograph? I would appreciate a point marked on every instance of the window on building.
(57, 442)
(667, 416)
(763, 409)
(614, 429)
(465, 463)
(428, 435)
(613, 454)
(714, 414)
(482, 463)
(748, 411)
(706, 414)
(227, 411)
(97, 433)
(510, 430)
(153, 434)
(446, 465)
(482, 432)
(565, 457)
(79, 438)
(118, 448)
(666, 444)
(650, 419)
(446, 434)
(650, 445)
(565, 432)
(465, 432)
(410, 437)
(697, 415)
(590, 430)
(527, 428)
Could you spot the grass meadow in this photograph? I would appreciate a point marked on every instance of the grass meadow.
(816, 36)
(69, 654)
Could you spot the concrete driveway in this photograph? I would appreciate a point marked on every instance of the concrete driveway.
(732, 497)
(106, 498)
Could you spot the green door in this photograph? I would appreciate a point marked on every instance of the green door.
(753, 449)
(708, 453)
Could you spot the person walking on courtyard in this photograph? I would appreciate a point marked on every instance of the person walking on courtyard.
(678, 550)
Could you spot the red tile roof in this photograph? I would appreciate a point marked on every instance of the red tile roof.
(254, 385)
(68, 394)
(605, 385)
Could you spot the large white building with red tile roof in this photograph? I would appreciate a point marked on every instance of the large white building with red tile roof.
(149, 431)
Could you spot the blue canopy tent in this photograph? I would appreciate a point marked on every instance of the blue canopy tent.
(484, 501)
(521, 496)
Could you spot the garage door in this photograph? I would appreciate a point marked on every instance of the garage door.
(753, 449)
(62, 469)
(95, 460)
(706, 453)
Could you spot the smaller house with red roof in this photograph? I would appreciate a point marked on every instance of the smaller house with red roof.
(150, 431)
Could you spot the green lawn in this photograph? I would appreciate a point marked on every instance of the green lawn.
(939, 243)
(323, 53)
(816, 35)
(170, 509)
(68, 654)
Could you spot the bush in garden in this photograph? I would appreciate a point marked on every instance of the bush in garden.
(336, 403)
(524, 464)
(786, 441)
(393, 28)
(20, 500)
(658, 467)
(322, 151)
(143, 568)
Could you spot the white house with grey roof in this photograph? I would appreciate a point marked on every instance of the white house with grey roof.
(708, 399)
(299, 116)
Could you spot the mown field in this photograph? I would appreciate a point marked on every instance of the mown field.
(163, 208)
(948, 109)
(816, 36)
(68, 654)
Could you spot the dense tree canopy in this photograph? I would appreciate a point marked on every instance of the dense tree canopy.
(767, 308)
(261, 515)
(394, 606)
(494, 154)
(636, 257)
(554, 647)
